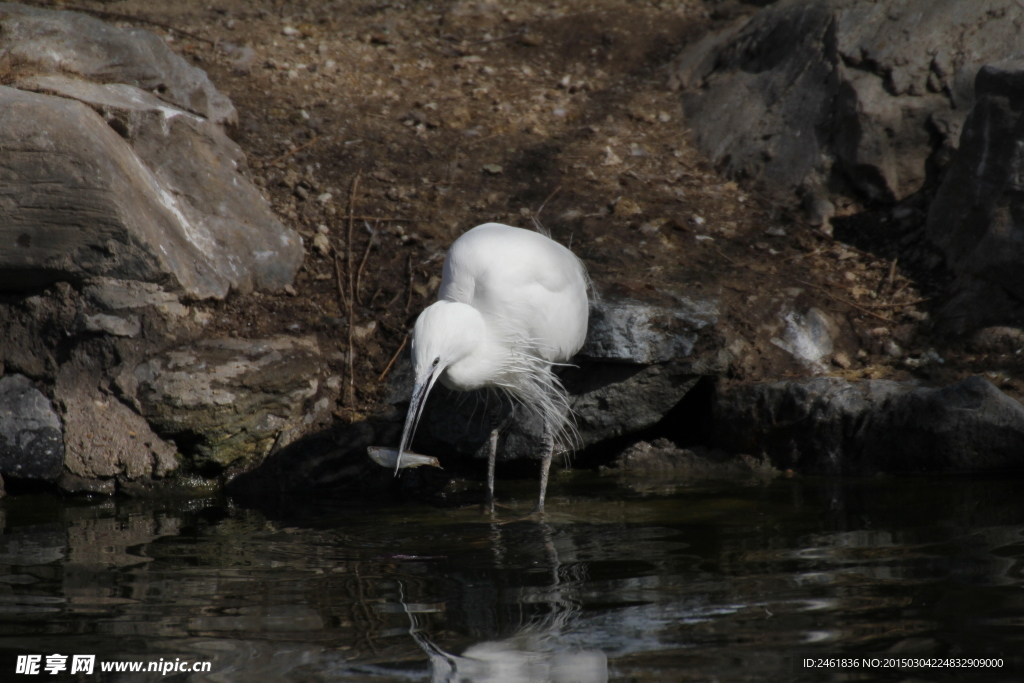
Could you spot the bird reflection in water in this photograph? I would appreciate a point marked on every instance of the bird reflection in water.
(536, 653)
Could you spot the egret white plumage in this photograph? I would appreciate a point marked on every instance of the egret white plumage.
(512, 304)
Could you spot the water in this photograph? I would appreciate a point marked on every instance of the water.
(729, 583)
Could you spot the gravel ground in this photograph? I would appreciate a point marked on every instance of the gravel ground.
(423, 119)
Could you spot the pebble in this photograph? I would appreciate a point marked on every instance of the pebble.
(361, 332)
(610, 158)
(841, 360)
(321, 244)
(291, 31)
(626, 207)
(493, 169)
(892, 349)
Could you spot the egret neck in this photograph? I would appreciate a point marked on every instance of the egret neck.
(450, 342)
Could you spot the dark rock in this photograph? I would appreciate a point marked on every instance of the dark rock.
(832, 426)
(228, 401)
(998, 340)
(72, 483)
(630, 331)
(112, 324)
(976, 216)
(639, 361)
(47, 41)
(26, 347)
(842, 92)
(122, 185)
(661, 466)
(335, 462)
(103, 437)
(31, 439)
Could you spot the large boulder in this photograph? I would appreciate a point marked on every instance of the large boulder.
(228, 402)
(110, 181)
(114, 164)
(977, 217)
(842, 94)
(833, 426)
(36, 40)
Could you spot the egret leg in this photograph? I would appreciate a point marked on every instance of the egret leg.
(545, 466)
(492, 456)
(499, 421)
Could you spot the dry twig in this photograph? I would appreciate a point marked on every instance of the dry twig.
(536, 214)
(382, 219)
(841, 300)
(296, 150)
(339, 281)
(899, 305)
(394, 358)
(350, 389)
(362, 264)
(408, 299)
(885, 284)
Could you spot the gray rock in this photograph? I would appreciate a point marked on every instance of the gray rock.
(118, 295)
(104, 439)
(31, 439)
(112, 324)
(47, 41)
(226, 401)
(832, 426)
(975, 217)
(634, 332)
(160, 200)
(842, 92)
(807, 337)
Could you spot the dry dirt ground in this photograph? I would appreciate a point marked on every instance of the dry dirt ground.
(423, 119)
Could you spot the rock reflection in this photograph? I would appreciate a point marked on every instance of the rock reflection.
(690, 586)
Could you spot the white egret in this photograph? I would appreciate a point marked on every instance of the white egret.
(512, 304)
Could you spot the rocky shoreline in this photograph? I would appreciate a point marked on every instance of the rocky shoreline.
(128, 214)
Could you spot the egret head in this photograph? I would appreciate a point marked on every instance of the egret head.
(445, 334)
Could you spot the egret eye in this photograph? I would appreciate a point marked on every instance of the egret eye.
(436, 361)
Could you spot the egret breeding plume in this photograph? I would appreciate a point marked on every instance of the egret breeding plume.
(512, 304)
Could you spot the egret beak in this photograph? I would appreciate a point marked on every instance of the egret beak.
(416, 405)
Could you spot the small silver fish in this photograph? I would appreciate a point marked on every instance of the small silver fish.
(387, 457)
